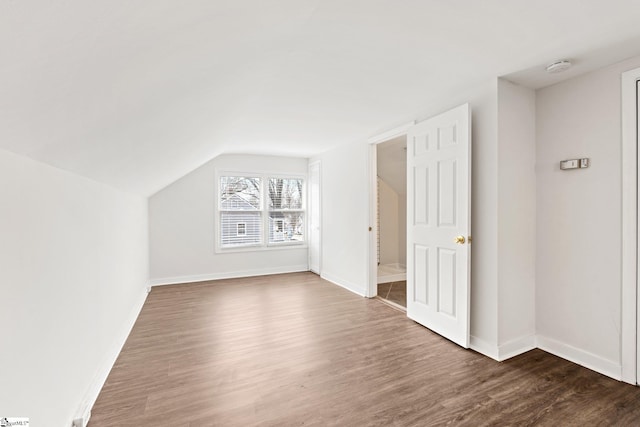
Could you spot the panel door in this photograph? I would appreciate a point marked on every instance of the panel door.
(439, 223)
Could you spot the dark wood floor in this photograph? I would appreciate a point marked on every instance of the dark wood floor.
(291, 350)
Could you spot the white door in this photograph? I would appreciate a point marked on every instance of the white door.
(439, 223)
(314, 217)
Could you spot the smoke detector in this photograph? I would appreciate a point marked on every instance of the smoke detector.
(558, 66)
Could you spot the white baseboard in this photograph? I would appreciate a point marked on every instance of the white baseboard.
(228, 275)
(392, 278)
(483, 347)
(522, 345)
(581, 357)
(84, 409)
(344, 284)
(515, 347)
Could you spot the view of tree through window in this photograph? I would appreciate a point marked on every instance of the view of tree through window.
(286, 217)
(241, 192)
(248, 205)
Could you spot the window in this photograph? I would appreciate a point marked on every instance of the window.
(240, 203)
(260, 211)
(286, 217)
(241, 229)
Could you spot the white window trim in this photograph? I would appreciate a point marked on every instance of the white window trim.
(264, 213)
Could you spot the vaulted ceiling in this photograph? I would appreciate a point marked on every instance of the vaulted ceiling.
(136, 94)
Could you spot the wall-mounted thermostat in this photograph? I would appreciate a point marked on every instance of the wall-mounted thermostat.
(574, 164)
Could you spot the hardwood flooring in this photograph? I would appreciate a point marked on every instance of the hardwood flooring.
(395, 292)
(292, 350)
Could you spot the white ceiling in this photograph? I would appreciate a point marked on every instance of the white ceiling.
(136, 94)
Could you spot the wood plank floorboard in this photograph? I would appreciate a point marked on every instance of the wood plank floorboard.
(294, 350)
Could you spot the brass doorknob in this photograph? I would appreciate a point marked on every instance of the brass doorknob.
(459, 240)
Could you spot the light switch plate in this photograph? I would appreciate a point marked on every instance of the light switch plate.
(574, 163)
(569, 164)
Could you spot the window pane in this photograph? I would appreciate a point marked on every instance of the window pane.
(239, 193)
(241, 229)
(286, 227)
(234, 224)
(285, 193)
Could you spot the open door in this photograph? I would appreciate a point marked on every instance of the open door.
(439, 223)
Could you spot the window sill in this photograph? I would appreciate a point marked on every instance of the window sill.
(270, 247)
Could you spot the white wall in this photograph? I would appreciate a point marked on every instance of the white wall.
(578, 292)
(392, 169)
(389, 224)
(546, 243)
(345, 216)
(516, 218)
(484, 213)
(74, 272)
(182, 226)
(391, 159)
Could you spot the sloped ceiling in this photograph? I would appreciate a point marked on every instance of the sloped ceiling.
(136, 94)
(392, 163)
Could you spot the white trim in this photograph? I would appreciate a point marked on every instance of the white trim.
(260, 248)
(91, 395)
(392, 278)
(516, 347)
(319, 163)
(176, 280)
(392, 133)
(629, 299)
(264, 244)
(329, 277)
(372, 270)
(584, 358)
(483, 347)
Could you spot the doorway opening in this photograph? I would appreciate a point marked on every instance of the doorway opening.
(391, 221)
(438, 221)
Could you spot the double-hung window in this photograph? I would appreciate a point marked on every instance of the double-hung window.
(240, 207)
(260, 211)
(286, 216)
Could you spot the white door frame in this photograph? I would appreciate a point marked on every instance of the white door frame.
(319, 164)
(630, 301)
(372, 271)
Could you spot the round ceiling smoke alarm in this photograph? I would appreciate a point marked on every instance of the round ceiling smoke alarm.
(558, 66)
